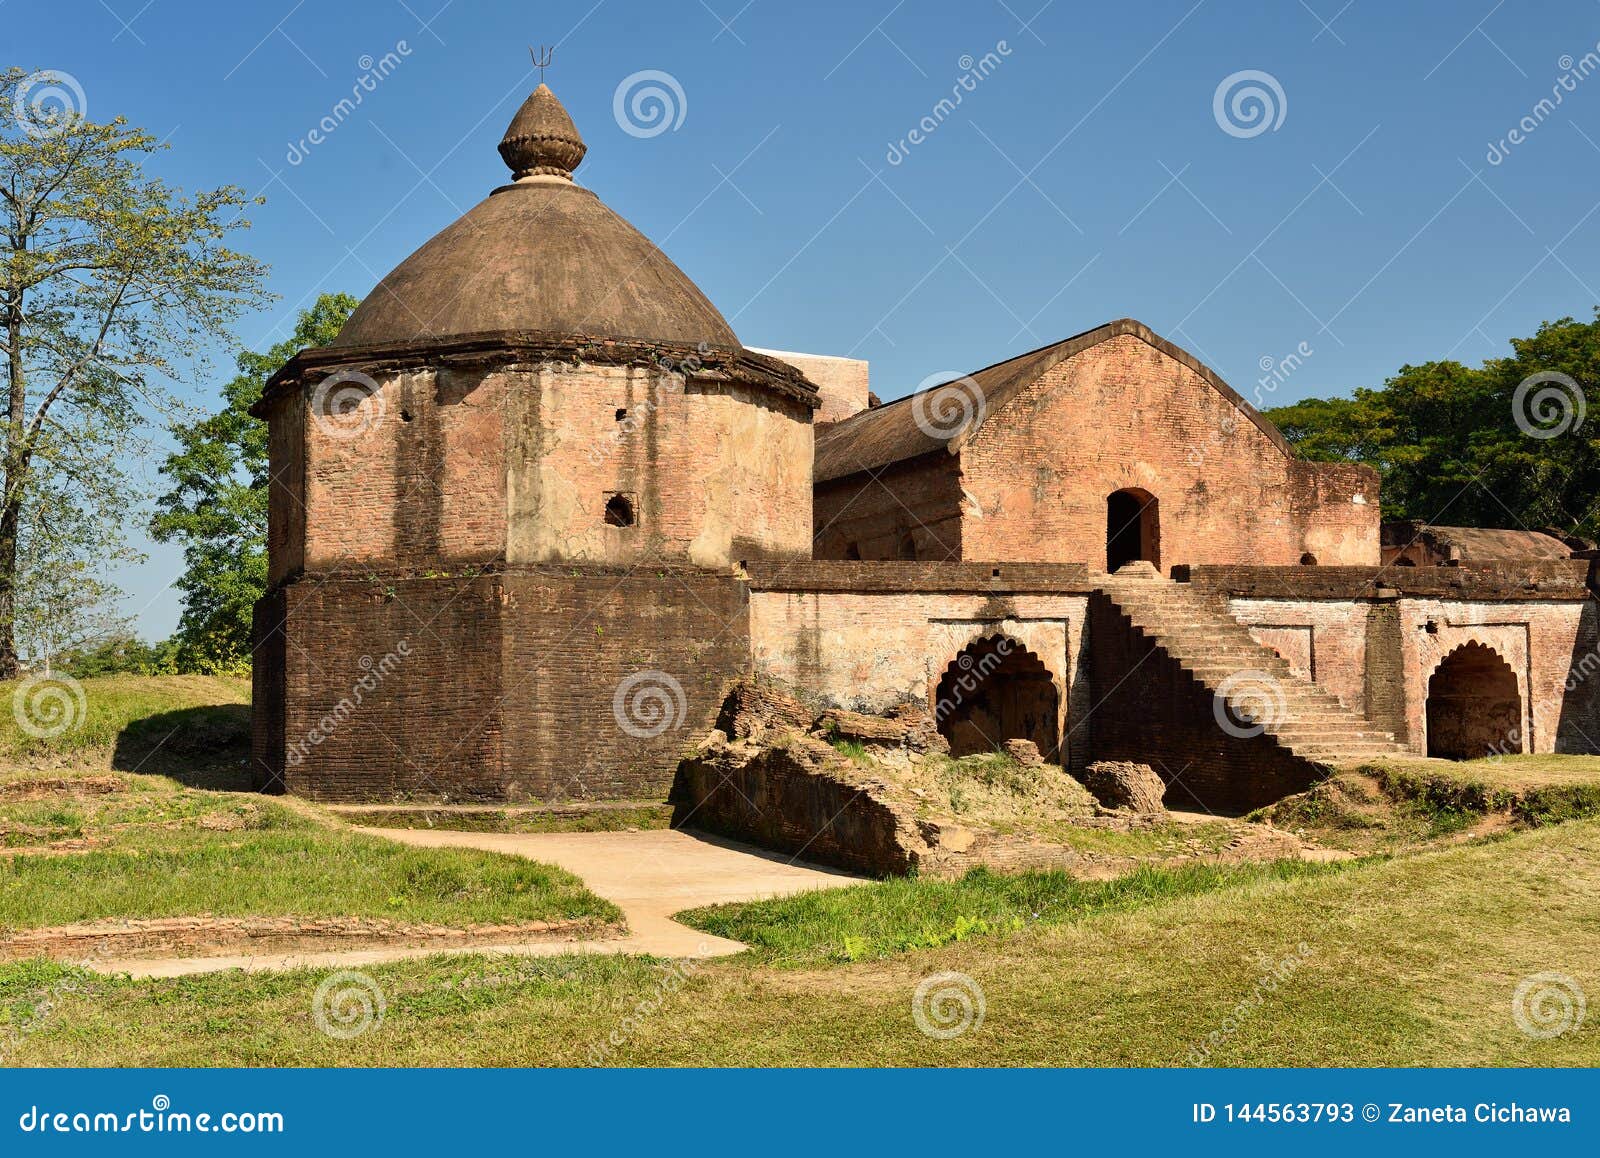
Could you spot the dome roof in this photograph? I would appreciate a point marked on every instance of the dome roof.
(541, 254)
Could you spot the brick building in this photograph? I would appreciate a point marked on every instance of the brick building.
(537, 508)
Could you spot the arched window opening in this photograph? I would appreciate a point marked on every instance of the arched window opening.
(997, 690)
(1474, 707)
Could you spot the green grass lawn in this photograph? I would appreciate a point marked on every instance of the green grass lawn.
(156, 849)
(1405, 961)
(876, 921)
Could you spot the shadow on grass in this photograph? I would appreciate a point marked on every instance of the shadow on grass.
(203, 747)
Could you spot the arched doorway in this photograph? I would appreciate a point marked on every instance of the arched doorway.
(1474, 708)
(1133, 528)
(997, 690)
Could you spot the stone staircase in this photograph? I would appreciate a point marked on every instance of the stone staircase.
(1260, 692)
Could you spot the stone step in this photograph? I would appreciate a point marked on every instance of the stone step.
(1213, 648)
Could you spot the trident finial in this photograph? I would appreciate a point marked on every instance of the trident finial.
(541, 58)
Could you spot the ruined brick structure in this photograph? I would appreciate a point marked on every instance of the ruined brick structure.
(537, 508)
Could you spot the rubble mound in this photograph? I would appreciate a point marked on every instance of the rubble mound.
(752, 709)
(1122, 784)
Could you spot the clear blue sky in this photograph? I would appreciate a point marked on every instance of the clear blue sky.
(1084, 178)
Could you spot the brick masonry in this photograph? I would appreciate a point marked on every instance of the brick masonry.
(453, 618)
(502, 686)
(1033, 481)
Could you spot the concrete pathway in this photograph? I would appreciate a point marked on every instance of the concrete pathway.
(648, 875)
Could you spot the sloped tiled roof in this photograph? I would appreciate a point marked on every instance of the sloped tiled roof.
(891, 433)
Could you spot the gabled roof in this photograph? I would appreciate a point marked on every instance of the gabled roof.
(891, 433)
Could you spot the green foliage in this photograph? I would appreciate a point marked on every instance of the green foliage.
(854, 749)
(112, 286)
(1446, 440)
(124, 655)
(217, 504)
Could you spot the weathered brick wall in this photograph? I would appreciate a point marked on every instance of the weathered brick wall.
(917, 502)
(609, 677)
(413, 476)
(716, 472)
(1323, 641)
(286, 489)
(392, 688)
(1123, 414)
(501, 686)
(1385, 674)
(868, 636)
(267, 693)
(440, 467)
(1380, 633)
(1335, 507)
(803, 800)
(1545, 645)
(1500, 582)
(1149, 710)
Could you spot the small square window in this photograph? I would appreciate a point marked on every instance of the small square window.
(619, 511)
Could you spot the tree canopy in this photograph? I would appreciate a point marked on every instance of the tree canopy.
(217, 504)
(1510, 443)
(112, 287)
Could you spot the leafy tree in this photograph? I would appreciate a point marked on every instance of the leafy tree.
(111, 286)
(1510, 443)
(123, 654)
(217, 506)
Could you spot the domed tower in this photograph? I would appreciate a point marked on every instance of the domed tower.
(537, 455)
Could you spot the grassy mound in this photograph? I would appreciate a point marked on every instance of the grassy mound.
(986, 789)
(1391, 804)
(194, 727)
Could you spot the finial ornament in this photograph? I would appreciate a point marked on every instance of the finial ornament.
(542, 140)
(542, 58)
